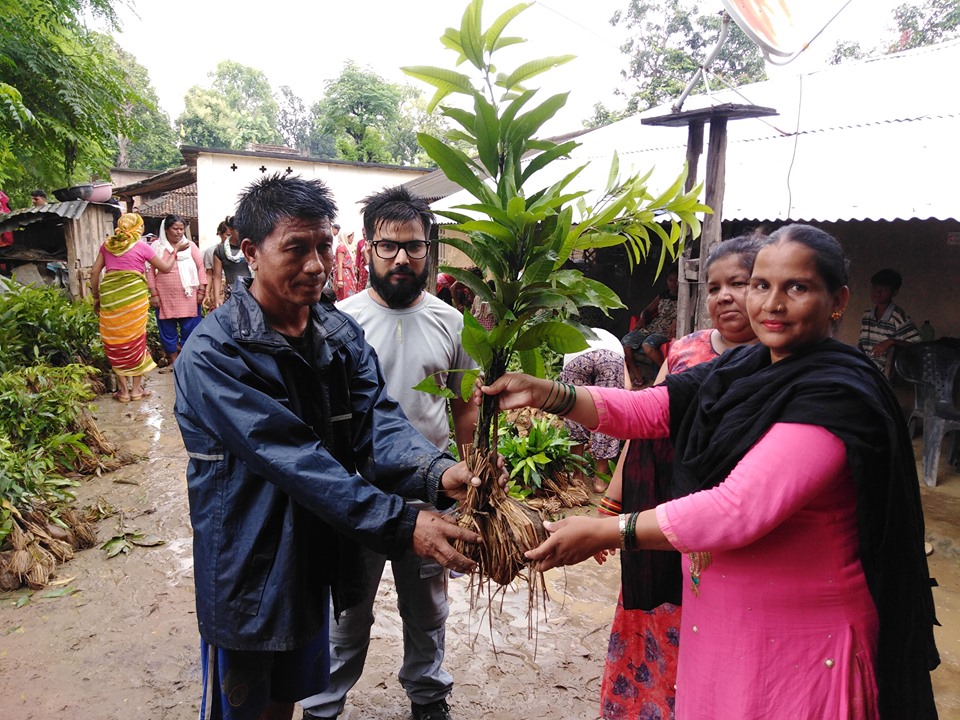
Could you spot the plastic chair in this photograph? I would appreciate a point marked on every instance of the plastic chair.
(909, 366)
(936, 400)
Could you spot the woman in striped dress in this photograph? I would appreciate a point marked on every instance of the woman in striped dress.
(122, 301)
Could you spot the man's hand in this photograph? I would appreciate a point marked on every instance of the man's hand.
(432, 537)
(454, 481)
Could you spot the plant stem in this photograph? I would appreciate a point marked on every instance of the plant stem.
(485, 439)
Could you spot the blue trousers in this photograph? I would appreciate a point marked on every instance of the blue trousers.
(175, 331)
(422, 602)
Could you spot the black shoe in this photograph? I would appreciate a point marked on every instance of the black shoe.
(438, 710)
(308, 716)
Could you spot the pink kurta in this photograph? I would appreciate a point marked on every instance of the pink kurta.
(783, 625)
(174, 302)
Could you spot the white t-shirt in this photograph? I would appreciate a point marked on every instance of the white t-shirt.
(604, 341)
(413, 343)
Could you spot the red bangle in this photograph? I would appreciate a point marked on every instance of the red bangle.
(609, 506)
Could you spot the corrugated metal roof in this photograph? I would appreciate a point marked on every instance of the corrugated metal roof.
(69, 210)
(877, 139)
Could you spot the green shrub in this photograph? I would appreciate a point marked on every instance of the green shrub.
(40, 436)
(39, 325)
(543, 452)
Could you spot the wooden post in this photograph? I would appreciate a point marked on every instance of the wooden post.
(715, 184)
(688, 275)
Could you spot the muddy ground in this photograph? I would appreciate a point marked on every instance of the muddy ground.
(124, 646)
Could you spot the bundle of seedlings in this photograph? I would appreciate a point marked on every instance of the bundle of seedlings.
(539, 454)
(39, 540)
(48, 440)
(522, 222)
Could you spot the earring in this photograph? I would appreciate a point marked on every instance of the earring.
(836, 315)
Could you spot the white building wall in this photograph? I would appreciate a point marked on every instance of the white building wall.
(222, 177)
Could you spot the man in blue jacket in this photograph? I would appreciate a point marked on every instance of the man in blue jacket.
(297, 457)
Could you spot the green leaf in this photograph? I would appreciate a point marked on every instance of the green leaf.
(530, 122)
(532, 69)
(488, 227)
(470, 36)
(60, 592)
(467, 381)
(558, 336)
(503, 42)
(445, 81)
(115, 546)
(487, 132)
(476, 341)
(531, 361)
(455, 165)
(547, 157)
(492, 36)
(146, 540)
(429, 385)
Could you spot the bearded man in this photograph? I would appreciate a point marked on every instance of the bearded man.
(415, 335)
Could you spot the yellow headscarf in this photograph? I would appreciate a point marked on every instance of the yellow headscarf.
(128, 232)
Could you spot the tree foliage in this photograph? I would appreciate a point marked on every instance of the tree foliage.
(927, 23)
(152, 142)
(60, 91)
(357, 113)
(293, 119)
(238, 109)
(669, 39)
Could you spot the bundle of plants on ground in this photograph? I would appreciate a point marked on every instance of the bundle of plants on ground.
(521, 231)
(538, 454)
(51, 366)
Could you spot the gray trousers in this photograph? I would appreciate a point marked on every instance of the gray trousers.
(422, 602)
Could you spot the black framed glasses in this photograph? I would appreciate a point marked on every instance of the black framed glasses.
(388, 249)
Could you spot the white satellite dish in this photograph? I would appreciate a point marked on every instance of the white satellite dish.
(783, 28)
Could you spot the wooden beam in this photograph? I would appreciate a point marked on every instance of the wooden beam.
(715, 185)
(687, 275)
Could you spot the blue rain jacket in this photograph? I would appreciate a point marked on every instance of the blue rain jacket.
(290, 466)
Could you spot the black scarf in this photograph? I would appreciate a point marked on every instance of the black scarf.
(719, 410)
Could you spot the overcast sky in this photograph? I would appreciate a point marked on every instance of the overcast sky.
(304, 43)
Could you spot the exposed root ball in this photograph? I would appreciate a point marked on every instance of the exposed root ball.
(507, 528)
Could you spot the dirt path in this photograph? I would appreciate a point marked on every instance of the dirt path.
(125, 645)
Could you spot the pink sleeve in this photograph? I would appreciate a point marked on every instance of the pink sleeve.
(151, 273)
(632, 414)
(760, 492)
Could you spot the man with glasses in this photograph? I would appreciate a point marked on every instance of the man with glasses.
(415, 335)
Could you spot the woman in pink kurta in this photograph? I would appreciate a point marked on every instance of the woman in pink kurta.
(177, 295)
(806, 591)
(640, 674)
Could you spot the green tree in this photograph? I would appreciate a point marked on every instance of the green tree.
(928, 23)
(60, 91)
(414, 117)
(669, 40)
(293, 119)
(152, 142)
(913, 26)
(356, 115)
(238, 108)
